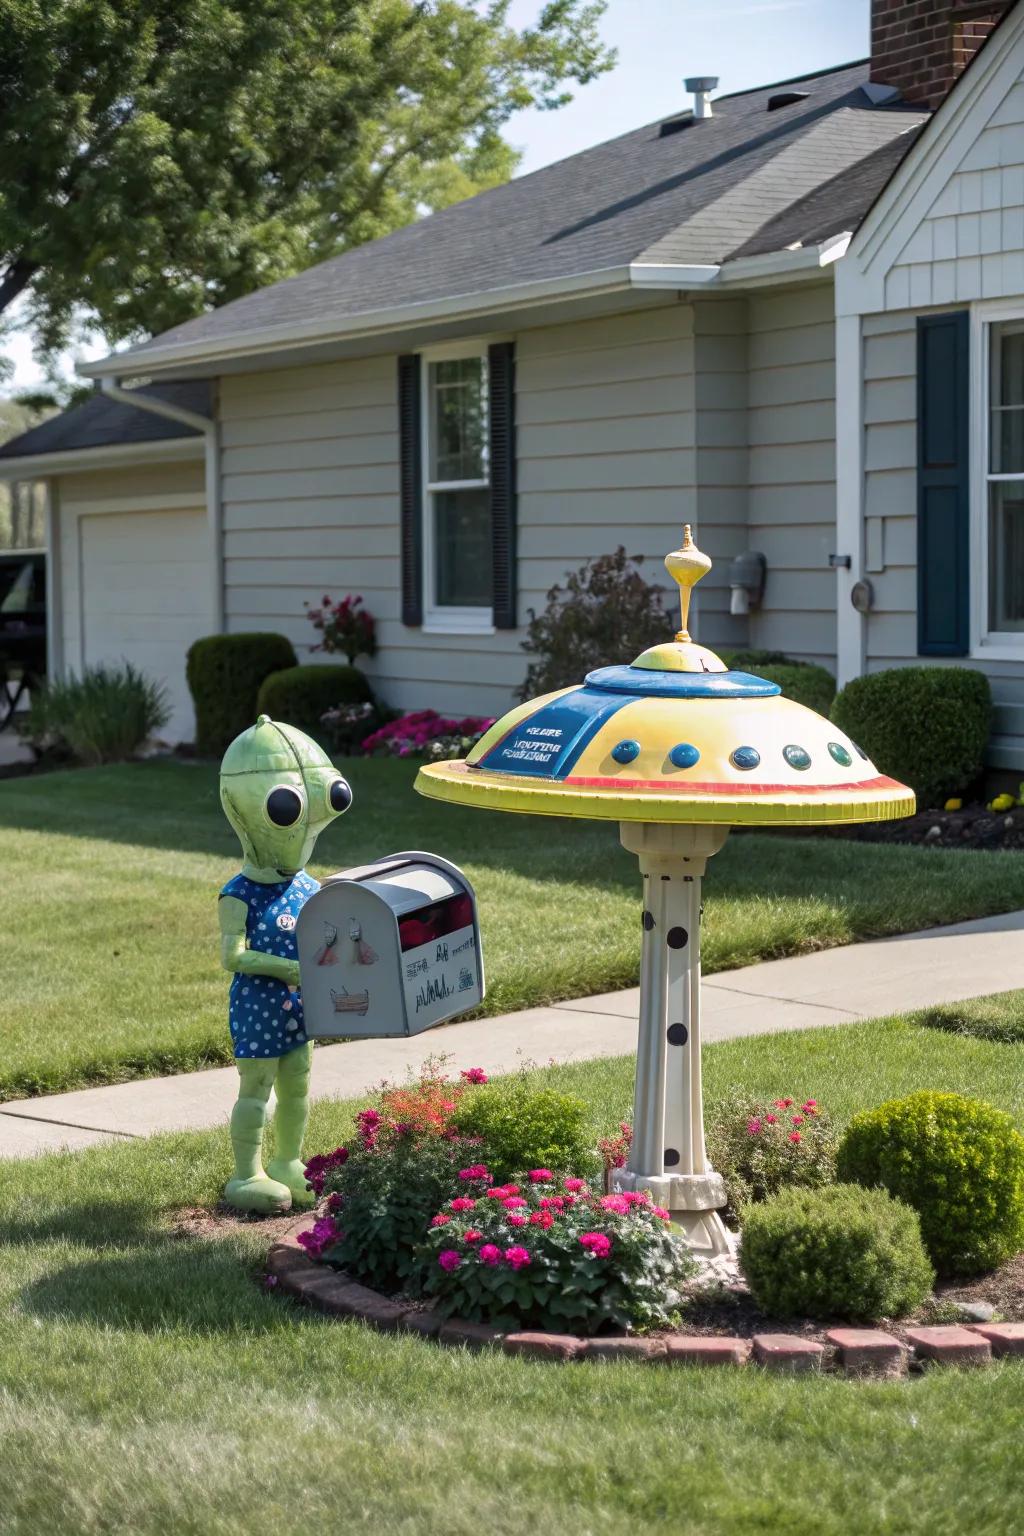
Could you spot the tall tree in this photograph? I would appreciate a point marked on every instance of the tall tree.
(158, 157)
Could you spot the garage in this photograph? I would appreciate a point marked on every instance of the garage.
(146, 596)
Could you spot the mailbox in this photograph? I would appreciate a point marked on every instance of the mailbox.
(389, 948)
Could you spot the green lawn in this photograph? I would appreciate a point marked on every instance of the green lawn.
(148, 1385)
(108, 943)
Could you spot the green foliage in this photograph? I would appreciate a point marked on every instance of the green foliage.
(808, 684)
(163, 156)
(301, 696)
(104, 716)
(224, 673)
(1000, 1019)
(606, 613)
(385, 1196)
(554, 1255)
(927, 726)
(761, 1147)
(959, 1162)
(521, 1126)
(841, 1252)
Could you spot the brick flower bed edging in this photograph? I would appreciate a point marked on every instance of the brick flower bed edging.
(858, 1352)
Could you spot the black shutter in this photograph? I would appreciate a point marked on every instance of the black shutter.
(501, 372)
(411, 487)
(943, 485)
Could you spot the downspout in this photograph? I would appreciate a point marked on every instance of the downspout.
(210, 429)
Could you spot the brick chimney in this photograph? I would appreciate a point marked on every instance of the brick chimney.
(922, 47)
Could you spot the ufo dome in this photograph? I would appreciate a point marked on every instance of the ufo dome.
(672, 737)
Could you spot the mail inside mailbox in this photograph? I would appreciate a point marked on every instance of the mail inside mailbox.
(435, 921)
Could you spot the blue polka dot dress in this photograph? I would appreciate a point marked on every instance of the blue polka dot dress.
(266, 1018)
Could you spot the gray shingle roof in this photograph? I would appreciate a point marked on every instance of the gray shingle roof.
(101, 422)
(696, 195)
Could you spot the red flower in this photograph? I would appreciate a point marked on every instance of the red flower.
(463, 1203)
(597, 1243)
(471, 1235)
(475, 1075)
(542, 1219)
(795, 1136)
(440, 1220)
(518, 1258)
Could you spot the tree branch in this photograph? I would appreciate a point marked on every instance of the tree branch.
(17, 278)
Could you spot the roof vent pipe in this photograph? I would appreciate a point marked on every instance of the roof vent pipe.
(701, 86)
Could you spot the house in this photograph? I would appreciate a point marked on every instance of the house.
(788, 316)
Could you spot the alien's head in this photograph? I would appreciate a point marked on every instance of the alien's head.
(279, 791)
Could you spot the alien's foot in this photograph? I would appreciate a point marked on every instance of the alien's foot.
(261, 1194)
(292, 1174)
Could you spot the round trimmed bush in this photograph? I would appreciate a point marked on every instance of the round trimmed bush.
(840, 1252)
(927, 726)
(522, 1127)
(959, 1162)
(802, 681)
(301, 696)
(224, 673)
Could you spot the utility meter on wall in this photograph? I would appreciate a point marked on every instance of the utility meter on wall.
(389, 948)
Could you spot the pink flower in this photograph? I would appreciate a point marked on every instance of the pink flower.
(463, 1203)
(478, 1173)
(753, 1126)
(514, 1202)
(809, 1104)
(518, 1258)
(440, 1220)
(449, 1259)
(783, 1103)
(471, 1235)
(541, 1175)
(517, 1221)
(490, 1253)
(552, 1203)
(320, 1236)
(599, 1244)
(795, 1136)
(575, 1184)
(770, 1119)
(542, 1219)
(797, 1119)
(617, 1203)
(497, 1193)
(660, 1211)
(475, 1075)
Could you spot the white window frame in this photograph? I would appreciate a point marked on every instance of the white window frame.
(446, 620)
(986, 644)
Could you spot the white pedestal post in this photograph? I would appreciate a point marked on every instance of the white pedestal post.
(668, 1157)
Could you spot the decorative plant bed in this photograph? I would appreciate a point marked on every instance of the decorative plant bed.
(853, 1351)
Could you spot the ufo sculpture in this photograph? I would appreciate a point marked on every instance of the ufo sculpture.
(676, 748)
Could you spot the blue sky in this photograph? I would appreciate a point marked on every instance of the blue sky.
(744, 42)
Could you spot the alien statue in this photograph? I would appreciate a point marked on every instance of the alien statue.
(279, 791)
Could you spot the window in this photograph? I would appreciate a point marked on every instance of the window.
(1004, 478)
(457, 542)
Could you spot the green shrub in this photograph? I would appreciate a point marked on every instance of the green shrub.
(841, 1252)
(606, 613)
(552, 1254)
(301, 696)
(523, 1127)
(927, 726)
(985, 1018)
(802, 681)
(760, 1148)
(959, 1162)
(224, 674)
(104, 716)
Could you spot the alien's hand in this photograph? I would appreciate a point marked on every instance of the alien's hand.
(291, 977)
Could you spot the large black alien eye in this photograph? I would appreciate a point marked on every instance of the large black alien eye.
(284, 806)
(339, 795)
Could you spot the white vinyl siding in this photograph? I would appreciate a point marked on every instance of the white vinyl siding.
(792, 491)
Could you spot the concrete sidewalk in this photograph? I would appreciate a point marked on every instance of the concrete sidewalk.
(835, 986)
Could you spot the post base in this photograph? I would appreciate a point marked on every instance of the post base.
(692, 1200)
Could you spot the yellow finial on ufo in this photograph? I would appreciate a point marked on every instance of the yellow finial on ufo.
(686, 566)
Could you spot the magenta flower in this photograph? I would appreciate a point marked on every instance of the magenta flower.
(477, 1173)
(518, 1258)
(463, 1203)
(475, 1075)
(517, 1221)
(471, 1235)
(514, 1202)
(440, 1220)
(490, 1253)
(795, 1136)
(575, 1184)
(617, 1203)
(599, 1244)
(449, 1259)
(753, 1126)
(659, 1210)
(541, 1176)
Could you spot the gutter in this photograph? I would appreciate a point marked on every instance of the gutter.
(210, 429)
(782, 266)
(39, 466)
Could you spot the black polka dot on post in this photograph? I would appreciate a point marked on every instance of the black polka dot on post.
(671, 1157)
(677, 938)
(677, 1034)
(648, 921)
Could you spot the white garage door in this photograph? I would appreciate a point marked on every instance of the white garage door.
(146, 597)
